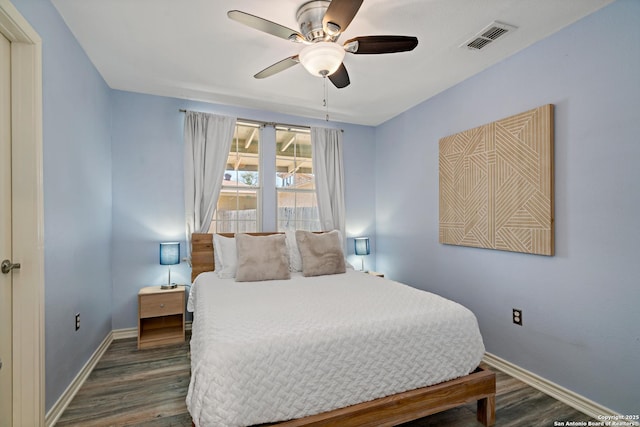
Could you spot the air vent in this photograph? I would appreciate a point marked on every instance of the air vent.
(488, 35)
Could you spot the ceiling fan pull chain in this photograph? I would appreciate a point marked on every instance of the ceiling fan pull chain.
(326, 98)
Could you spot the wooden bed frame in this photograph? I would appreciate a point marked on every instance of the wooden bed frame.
(479, 386)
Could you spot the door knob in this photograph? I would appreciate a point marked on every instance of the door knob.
(7, 266)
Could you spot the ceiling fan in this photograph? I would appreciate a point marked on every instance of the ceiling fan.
(321, 24)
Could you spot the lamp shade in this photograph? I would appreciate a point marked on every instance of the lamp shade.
(170, 253)
(322, 58)
(362, 246)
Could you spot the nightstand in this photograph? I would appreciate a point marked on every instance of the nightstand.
(160, 316)
(375, 273)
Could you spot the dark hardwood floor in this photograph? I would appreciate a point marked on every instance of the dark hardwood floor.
(148, 388)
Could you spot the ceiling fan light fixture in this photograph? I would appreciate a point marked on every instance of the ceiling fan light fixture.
(322, 58)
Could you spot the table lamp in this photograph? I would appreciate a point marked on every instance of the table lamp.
(169, 255)
(362, 248)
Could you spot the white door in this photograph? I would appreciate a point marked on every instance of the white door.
(5, 232)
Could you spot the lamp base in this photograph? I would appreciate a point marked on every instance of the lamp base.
(171, 286)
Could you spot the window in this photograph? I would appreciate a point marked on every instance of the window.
(290, 199)
(237, 208)
(295, 183)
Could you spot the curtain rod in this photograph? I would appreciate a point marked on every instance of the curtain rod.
(273, 124)
(243, 121)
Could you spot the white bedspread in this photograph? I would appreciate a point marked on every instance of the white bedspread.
(270, 351)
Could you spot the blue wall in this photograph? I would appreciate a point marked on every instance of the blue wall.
(580, 307)
(148, 200)
(77, 199)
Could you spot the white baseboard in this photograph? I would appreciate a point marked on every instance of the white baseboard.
(52, 416)
(556, 391)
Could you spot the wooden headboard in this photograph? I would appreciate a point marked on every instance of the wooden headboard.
(202, 252)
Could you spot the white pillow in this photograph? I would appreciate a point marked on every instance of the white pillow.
(225, 256)
(216, 258)
(295, 259)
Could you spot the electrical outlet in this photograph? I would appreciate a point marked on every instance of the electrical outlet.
(517, 316)
(77, 321)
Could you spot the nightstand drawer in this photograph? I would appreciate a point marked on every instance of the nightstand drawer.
(160, 304)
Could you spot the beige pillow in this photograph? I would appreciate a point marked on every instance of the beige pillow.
(262, 258)
(321, 253)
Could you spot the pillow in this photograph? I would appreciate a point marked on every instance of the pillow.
(217, 264)
(321, 253)
(295, 260)
(262, 258)
(225, 256)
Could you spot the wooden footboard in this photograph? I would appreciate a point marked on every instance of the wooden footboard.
(400, 408)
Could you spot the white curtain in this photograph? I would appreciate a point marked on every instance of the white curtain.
(326, 145)
(207, 141)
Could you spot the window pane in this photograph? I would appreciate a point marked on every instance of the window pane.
(237, 211)
(294, 167)
(297, 210)
(244, 157)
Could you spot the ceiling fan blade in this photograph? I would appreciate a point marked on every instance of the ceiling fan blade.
(340, 78)
(380, 44)
(277, 67)
(340, 13)
(265, 25)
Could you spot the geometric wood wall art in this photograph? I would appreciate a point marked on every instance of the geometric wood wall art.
(496, 184)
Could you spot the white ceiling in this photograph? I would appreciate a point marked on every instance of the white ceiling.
(190, 49)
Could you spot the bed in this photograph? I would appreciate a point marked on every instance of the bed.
(347, 349)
